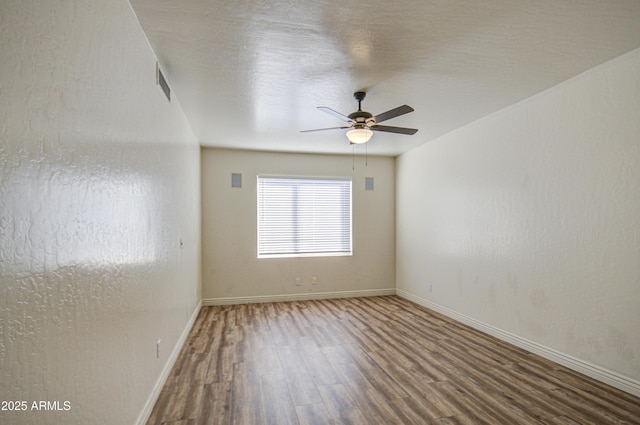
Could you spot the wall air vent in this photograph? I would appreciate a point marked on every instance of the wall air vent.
(160, 80)
(368, 183)
(236, 180)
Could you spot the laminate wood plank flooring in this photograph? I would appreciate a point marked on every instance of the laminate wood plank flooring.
(367, 361)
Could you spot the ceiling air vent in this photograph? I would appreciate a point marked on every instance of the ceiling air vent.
(162, 82)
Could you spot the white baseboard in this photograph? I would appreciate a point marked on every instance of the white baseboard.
(143, 417)
(601, 374)
(297, 297)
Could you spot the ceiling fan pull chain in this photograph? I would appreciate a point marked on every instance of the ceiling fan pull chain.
(353, 157)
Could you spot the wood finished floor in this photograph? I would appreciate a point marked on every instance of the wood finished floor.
(378, 360)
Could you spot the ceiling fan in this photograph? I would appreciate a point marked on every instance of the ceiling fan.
(362, 124)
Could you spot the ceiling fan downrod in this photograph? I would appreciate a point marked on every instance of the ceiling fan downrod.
(360, 95)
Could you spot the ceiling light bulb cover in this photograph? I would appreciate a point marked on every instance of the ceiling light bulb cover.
(359, 135)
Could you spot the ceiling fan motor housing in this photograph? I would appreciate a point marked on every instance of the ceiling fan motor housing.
(362, 119)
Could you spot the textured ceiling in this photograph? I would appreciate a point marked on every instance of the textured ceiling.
(249, 74)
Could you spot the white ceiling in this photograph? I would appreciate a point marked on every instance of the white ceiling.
(249, 73)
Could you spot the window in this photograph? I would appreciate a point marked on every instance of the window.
(303, 216)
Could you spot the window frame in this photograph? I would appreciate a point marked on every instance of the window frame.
(305, 253)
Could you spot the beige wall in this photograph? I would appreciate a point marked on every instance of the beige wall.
(99, 182)
(231, 268)
(528, 221)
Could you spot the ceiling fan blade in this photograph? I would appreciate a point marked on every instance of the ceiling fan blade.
(335, 113)
(396, 112)
(323, 129)
(399, 130)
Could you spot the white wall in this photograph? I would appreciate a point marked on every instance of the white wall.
(99, 181)
(528, 221)
(231, 271)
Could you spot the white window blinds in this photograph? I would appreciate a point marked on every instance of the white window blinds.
(303, 216)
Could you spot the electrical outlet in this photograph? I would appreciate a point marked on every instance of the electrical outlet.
(158, 349)
(297, 281)
(314, 280)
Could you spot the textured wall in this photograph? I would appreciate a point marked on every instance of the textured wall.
(529, 219)
(99, 183)
(229, 264)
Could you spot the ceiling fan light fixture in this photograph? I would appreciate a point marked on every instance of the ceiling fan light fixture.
(359, 135)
